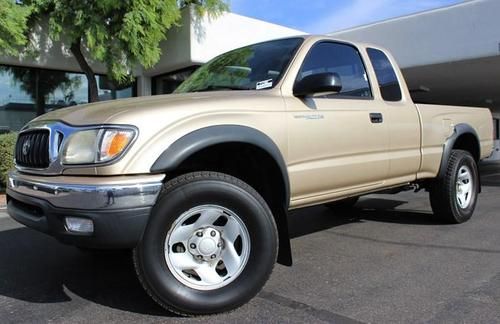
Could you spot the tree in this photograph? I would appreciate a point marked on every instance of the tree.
(122, 34)
(13, 26)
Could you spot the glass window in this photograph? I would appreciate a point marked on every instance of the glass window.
(168, 82)
(496, 124)
(387, 79)
(108, 91)
(254, 67)
(342, 59)
(29, 92)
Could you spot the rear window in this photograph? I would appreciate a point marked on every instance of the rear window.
(386, 76)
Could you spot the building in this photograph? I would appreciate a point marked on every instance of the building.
(448, 56)
(57, 76)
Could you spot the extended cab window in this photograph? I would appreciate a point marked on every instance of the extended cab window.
(342, 59)
(387, 79)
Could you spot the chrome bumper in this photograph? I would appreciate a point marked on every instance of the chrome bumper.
(89, 193)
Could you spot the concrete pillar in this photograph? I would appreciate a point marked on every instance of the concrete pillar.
(143, 86)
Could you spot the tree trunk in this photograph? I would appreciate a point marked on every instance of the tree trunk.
(89, 73)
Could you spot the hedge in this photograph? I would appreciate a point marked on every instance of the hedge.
(7, 143)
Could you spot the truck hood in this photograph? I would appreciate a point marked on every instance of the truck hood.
(155, 107)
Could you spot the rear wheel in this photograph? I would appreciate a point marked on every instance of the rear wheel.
(209, 247)
(454, 194)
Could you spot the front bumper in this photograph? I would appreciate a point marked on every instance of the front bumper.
(119, 207)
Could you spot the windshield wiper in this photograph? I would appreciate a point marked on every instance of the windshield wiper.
(221, 88)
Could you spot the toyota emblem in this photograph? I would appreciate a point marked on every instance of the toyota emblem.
(26, 147)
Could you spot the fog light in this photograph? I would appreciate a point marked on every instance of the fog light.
(79, 225)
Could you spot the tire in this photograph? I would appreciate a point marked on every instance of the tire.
(453, 195)
(185, 213)
(343, 204)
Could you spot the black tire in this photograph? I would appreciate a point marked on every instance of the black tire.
(343, 204)
(180, 195)
(443, 192)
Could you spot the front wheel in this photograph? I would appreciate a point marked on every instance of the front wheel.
(209, 247)
(454, 194)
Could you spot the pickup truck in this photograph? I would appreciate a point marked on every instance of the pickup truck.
(198, 183)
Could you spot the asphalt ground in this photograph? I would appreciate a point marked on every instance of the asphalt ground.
(386, 261)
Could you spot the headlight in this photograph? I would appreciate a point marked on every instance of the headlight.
(96, 145)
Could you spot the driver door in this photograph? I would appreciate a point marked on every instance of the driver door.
(338, 142)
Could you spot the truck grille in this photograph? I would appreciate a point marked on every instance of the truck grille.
(32, 149)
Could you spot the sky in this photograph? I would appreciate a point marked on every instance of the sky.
(325, 16)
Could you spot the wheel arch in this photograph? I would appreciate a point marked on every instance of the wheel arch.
(465, 138)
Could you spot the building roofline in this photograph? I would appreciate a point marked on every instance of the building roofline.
(415, 14)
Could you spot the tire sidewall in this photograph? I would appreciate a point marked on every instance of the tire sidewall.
(263, 246)
(464, 214)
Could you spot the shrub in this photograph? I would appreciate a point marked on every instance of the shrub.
(7, 143)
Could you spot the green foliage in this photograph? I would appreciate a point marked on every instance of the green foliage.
(7, 144)
(120, 33)
(13, 26)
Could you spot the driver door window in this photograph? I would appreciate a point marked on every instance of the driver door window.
(344, 60)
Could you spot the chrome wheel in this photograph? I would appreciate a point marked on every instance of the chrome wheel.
(464, 187)
(207, 247)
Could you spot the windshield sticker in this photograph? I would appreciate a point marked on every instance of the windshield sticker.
(264, 84)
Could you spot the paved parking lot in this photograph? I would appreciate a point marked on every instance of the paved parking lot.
(387, 261)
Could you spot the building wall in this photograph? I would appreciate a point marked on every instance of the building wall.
(210, 38)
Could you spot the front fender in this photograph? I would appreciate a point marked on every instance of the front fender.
(203, 138)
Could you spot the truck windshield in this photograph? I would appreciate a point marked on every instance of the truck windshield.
(253, 67)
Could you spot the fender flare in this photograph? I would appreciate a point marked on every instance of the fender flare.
(459, 130)
(202, 138)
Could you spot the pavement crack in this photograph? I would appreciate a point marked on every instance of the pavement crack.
(320, 314)
(430, 246)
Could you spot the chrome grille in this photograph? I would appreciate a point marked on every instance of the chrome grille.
(32, 149)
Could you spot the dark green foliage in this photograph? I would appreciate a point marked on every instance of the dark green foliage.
(7, 144)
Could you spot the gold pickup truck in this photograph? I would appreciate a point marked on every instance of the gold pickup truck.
(199, 183)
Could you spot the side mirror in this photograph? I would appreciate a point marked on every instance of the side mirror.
(317, 83)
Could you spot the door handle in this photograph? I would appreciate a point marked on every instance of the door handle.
(376, 118)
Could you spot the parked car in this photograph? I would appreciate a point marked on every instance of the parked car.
(199, 183)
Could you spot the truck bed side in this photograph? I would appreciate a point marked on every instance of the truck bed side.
(438, 123)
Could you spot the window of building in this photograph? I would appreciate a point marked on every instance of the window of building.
(386, 76)
(108, 91)
(29, 92)
(168, 82)
(496, 125)
(342, 59)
